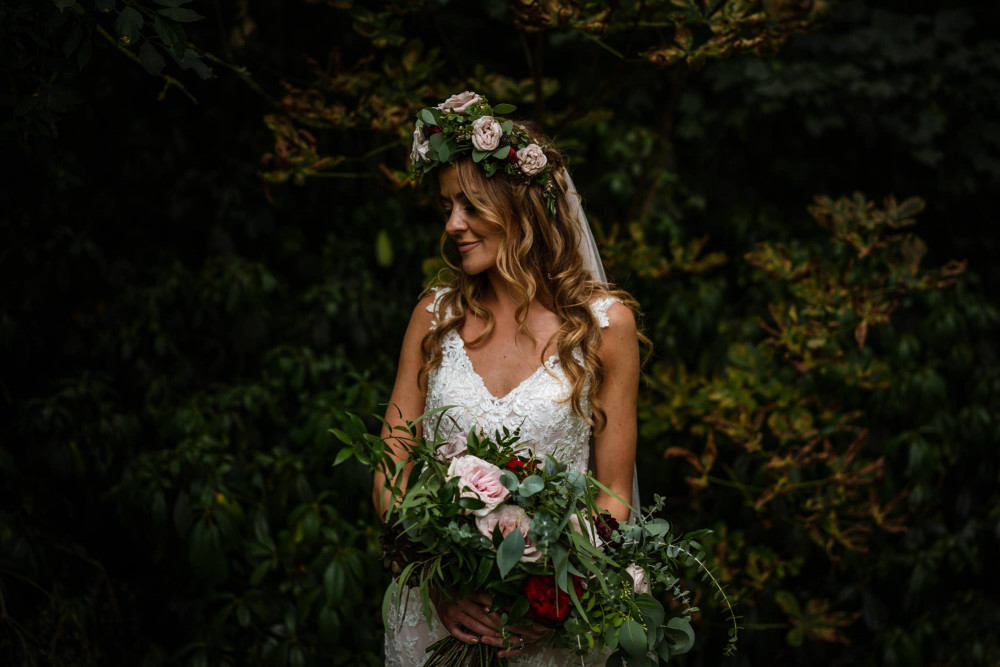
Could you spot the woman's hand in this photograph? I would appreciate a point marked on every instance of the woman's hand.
(467, 616)
(474, 615)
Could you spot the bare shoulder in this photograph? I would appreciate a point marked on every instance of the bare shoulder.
(621, 320)
(619, 339)
(423, 311)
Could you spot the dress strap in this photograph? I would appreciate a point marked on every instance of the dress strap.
(433, 306)
(600, 309)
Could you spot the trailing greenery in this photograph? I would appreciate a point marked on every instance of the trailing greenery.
(210, 251)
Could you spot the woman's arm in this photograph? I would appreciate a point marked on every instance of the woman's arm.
(614, 447)
(407, 399)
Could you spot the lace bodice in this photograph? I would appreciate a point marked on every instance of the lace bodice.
(545, 421)
(534, 405)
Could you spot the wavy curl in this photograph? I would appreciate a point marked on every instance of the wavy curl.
(539, 257)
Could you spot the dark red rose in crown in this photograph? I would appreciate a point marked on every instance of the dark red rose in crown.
(547, 603)
(435, 129)
(521, 467)
(512, 156)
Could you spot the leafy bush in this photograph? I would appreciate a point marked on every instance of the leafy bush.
(195, 291)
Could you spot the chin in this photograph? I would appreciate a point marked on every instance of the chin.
(473, 268)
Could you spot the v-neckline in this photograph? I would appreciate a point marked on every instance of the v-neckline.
(482, 382)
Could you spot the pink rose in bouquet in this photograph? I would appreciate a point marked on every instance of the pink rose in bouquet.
(478, 479)
(456, 445)
(507, 518)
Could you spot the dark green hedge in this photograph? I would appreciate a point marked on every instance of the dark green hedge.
(201, 274)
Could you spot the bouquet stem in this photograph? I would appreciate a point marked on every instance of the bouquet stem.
(450, 652)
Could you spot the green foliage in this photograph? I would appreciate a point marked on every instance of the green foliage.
(195, 291)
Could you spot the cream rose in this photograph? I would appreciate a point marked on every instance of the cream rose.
(420, 147)
(639, 580)
(460, 102)
(455, 445)
(486, 133)
(479, 479)
(507, 518)
(531, 159)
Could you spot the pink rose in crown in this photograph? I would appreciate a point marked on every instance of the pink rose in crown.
(455, 445)
(478, 479)
(486, 133)
(507, 518)
(459, 102)
(532, 159)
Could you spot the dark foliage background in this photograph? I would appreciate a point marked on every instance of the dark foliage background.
(208, 253)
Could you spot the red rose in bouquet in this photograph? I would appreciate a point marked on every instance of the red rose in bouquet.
(521, 467)
(547, 603)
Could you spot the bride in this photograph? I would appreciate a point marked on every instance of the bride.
(525, 333)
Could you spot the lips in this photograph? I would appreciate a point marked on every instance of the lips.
(466, 246)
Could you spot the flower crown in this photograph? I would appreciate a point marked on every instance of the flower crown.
(466, 122)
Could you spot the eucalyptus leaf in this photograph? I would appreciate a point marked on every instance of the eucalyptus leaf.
(507, 126)
(444, 152)
(632, 638)
(510, 552)
(531, 485)
(478, 155)
(651, 609)
(504, 108)
(427, 117)
(509, 481)
(680, 635)
(502, 152)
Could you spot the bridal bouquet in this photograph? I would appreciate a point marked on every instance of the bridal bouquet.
(483, 512)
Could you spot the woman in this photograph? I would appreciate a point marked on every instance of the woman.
(523, 335)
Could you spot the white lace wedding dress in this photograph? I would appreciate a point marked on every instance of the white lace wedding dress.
(552, 426)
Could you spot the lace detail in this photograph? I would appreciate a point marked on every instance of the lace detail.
(546, 421)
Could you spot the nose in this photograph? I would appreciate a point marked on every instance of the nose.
(455, 222)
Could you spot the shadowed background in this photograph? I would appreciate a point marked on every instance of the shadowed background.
(209, 251)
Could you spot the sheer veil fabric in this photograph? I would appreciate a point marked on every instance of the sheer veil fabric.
(592, 263)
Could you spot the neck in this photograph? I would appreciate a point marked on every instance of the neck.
(504, 298)
(501, 291)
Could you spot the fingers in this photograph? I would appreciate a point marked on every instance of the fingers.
(476, 625)
(458, 632)
(481, 598)
(474, 609)
(519, 646)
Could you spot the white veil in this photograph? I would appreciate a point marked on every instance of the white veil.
(592, 263)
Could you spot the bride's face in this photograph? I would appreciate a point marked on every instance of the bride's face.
(478, 240)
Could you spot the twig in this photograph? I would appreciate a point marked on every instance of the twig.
(170, 81)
